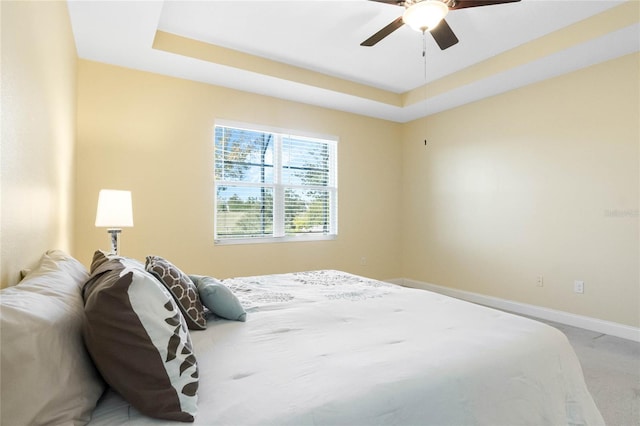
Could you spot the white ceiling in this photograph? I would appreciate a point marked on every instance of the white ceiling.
(324, 36)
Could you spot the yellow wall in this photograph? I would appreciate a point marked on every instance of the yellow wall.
(541, 180)
(153, 135)
(38, 133)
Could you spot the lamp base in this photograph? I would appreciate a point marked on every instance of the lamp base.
(115, 240)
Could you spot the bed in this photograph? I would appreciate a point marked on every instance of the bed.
(332, 348)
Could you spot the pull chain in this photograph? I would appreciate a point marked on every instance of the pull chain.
(424, 54)
(424, 60)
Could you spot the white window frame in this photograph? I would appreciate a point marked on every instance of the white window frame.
(278, 187)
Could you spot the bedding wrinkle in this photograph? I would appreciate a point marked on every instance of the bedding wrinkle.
(282, 330)
(241, 376)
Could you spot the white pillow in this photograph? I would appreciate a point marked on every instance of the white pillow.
(46, 375)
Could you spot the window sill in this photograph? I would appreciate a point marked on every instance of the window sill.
(270, 240)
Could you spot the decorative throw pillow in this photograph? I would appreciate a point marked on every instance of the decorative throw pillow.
(182, 288)
(100, 257)
(139, 340)
(46, 374)
(218, 298)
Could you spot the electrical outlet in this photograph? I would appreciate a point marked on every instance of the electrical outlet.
(363, 260)
(539, 281)
(578, 286)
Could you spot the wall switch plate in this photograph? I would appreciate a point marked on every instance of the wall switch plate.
(539, 281)
(578, 287)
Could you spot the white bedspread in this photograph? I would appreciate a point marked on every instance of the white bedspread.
(327, 347)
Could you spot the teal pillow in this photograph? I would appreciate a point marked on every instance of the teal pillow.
(218, 298)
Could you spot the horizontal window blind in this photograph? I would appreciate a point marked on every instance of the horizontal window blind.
(273, 186)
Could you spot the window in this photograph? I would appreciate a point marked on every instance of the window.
(274, 186)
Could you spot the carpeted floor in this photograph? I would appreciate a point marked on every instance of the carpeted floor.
(611, 369)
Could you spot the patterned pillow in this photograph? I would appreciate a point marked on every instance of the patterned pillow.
(139, 340)
(182, 288)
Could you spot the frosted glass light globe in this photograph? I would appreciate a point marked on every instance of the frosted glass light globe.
(425, 15)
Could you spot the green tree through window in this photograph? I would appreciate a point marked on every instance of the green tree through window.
(270, 185)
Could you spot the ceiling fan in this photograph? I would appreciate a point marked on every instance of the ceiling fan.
(428, 15)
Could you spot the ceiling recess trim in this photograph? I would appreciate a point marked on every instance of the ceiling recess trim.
(622, 16)
(196, 49)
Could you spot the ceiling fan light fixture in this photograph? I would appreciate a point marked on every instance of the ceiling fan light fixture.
(425, 15)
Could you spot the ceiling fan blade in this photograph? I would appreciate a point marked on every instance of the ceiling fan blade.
(383, 32)
(463, 4)
(443, 35)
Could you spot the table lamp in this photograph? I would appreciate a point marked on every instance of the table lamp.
(114, 212)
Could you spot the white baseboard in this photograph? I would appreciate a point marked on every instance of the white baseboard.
(588, 323)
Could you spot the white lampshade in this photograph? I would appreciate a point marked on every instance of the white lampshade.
(114, 209)
(425, 15)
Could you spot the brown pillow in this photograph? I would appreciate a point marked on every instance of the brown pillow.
(139, 340)
(182, 288)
